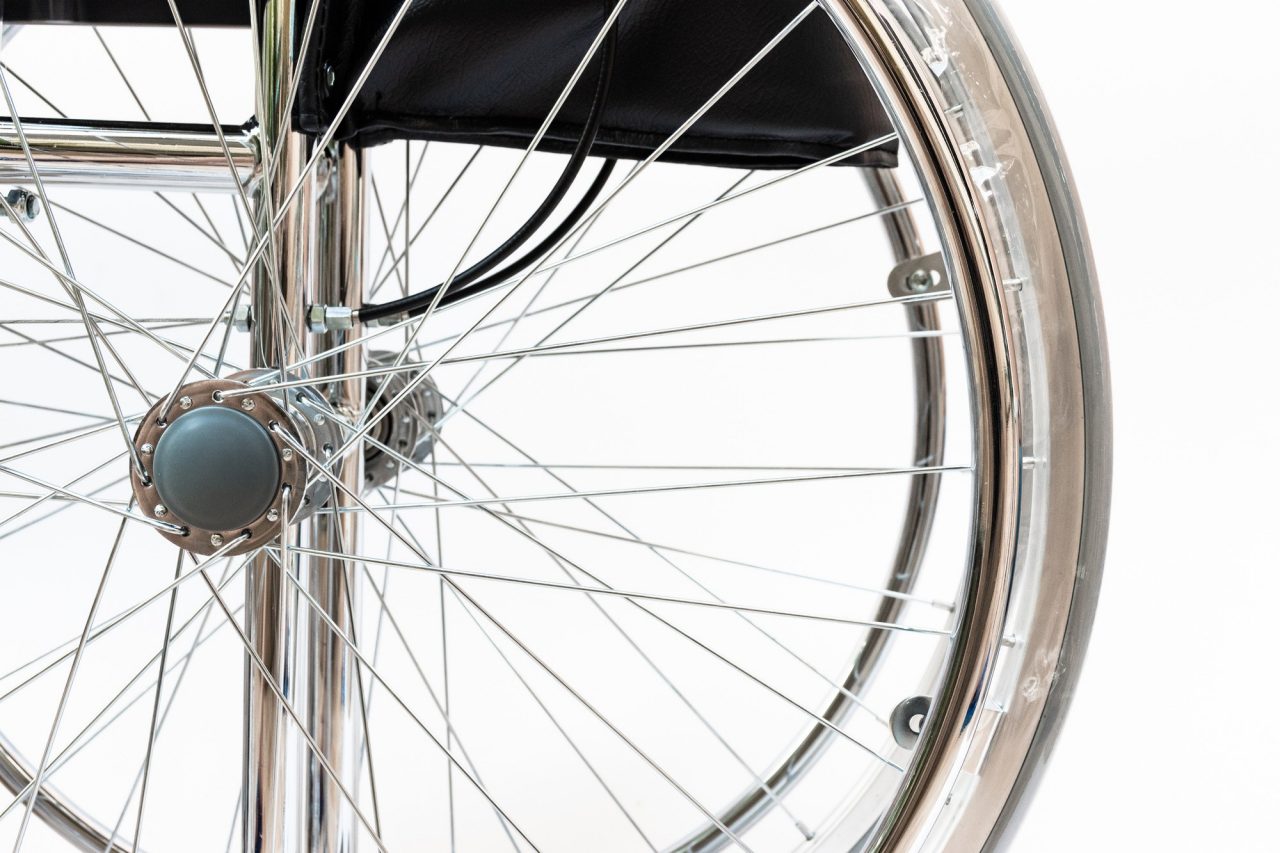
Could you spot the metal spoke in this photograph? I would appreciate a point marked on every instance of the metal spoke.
(561, 558)
(401, 214)
(38, 777)
(881, 592)
(681, 487)
(52, 495)
(76, 298)
(648, 660)
(559, 727)
(45, 345)
(121, 319)
(214, 239)
(627, 594)
(84, 737)
(581, 68)
(116, 620)
(468, 600)
(85, 499)
(65, 339)
(142, 244)
(355, 652)
(379, 278)
(368, 421)
(288, 708)
(59, 438)
(772, 182)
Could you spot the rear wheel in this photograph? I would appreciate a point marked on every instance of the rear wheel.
(764, 510)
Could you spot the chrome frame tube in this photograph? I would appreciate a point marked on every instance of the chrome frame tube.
(333, 707)
(270, 784)
(144, 156)
(291, 801)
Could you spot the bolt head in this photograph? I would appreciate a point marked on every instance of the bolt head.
(161, 511)
(215, 540)
(286, 453)
(242, 319)
(147, 448)
(247, 404)
(184, 402)
(919, 281)
(273, 515)
(318, 419)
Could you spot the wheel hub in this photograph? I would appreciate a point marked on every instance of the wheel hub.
(221, 462)
(216, 468)
(409, 430)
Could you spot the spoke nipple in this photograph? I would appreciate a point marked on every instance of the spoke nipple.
(161, 511)
(184, 402)
(273, 515)
(215, 539)
(247, 404)
(216, 396)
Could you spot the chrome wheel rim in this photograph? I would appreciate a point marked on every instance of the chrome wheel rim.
(995, 327)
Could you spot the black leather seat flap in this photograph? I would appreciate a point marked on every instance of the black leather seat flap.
(487, 71)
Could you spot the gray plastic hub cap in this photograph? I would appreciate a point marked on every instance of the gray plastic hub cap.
(216, 469)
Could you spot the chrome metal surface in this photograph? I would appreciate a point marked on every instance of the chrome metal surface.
(24, 203)
(272, 783)
(410, 430)
(334, 710)
(146, 156)
(919, 275)
(935, 73)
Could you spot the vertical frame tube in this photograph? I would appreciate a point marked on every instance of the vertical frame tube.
(291, 802)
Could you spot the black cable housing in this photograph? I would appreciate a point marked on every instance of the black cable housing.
(475, 279)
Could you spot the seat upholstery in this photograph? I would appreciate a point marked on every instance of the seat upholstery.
(487, 71)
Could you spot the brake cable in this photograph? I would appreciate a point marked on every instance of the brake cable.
(476, 279)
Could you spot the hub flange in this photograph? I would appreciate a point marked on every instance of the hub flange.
(218, 465)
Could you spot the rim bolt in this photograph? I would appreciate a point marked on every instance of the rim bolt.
(273, 515)
(161, 511)
(319, 419)
(286, 453)
(247, 404)
(184, 402)
(919, 281)
(215, 539)
(147, 448)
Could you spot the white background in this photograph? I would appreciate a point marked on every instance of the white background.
(1167, 111)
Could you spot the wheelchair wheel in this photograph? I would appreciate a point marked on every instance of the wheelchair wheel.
(560, 426)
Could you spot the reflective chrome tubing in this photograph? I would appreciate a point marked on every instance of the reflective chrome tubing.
(316, 257)
(147, 157)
